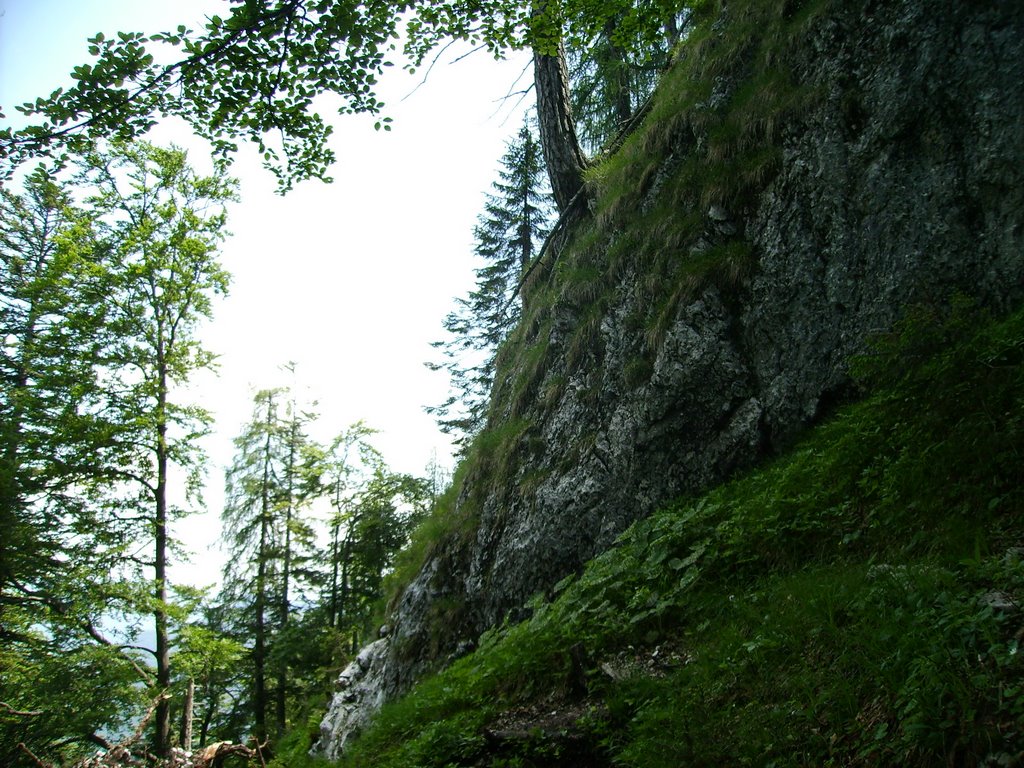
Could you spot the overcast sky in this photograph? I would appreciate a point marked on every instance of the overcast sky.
(350, 281)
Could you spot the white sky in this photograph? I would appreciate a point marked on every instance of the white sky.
(350, 281)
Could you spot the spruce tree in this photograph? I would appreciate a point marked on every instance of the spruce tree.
(509, 235)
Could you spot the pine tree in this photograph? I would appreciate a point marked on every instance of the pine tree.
(509, 235)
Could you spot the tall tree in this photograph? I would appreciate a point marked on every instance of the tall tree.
(99, 313)
(508, 234)
(350, 462)
(161, 225)
(51, 322)
(60, 550)
(270, 481)
(300, 484)
(249, 522)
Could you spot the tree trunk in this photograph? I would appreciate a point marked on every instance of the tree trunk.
(343, 587)
(186, 716)
(259, 651)
(332, 606)
(162, 718)
(211, 707)
(565, 160)
(525, 218)
(283, 607)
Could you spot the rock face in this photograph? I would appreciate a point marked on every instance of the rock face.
(904, 184)
(359, 696)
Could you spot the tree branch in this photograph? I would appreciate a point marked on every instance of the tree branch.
(32, 757)
(430, 68)
(20, 713)
(157, 79)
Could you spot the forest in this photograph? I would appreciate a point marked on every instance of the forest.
(842, 588)
(101, 303)
(110, 261)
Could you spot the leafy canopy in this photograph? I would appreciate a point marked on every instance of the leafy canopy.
(254, 74)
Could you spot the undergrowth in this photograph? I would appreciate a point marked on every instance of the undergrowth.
(857, 602)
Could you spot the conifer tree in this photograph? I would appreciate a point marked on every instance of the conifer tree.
(267, 486)
(509, 235)
(373, 512)
(377, 526)
(50, 283)
(349, 464)
(611, 80)
(301, 483)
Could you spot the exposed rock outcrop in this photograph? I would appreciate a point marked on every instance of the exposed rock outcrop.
(903, 184)
(359, 696)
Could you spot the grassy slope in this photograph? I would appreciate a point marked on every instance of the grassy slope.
(858, 602)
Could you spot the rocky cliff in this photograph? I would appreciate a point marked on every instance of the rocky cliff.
(807, 172)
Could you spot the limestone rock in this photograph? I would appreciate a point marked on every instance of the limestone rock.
(359, 695)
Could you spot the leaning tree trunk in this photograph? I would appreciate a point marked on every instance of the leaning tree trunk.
(565, 160)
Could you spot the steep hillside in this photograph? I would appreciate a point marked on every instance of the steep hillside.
(858, 602)
(807, 174)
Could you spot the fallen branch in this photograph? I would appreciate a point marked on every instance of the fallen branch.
(214, 755)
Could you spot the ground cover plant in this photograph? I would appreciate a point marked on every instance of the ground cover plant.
(856, 602)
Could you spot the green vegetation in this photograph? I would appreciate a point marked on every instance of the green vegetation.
(704, 143)
(857, 602)
(300, 605)
(105, 281)
(697, 148)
